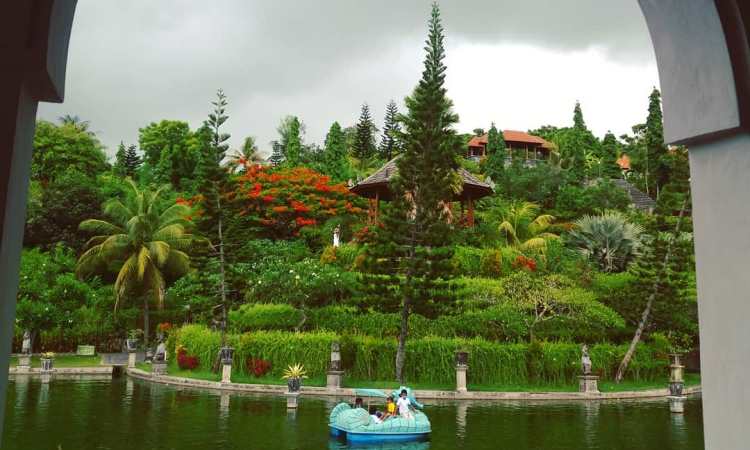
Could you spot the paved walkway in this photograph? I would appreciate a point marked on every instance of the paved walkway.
(421, 394)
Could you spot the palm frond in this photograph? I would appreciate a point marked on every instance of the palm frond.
(178, 263)
(155, 282)
(169, 233)
(100, 227)
(125, 279)
(159, 252)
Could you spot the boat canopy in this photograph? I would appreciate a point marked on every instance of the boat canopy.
(359, 392)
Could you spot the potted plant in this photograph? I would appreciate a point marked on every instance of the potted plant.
(47, 359)
(293, 376)
(132, 340)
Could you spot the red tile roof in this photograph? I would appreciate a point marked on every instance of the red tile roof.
(512, 136)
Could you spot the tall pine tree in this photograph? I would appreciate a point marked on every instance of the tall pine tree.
(609, 167)
(494, 164)
(390, 145)
(410, 258)
(127, 161)
(293, 144)
(213, 183)
(364, 143)
(656, 161)
(335, 158)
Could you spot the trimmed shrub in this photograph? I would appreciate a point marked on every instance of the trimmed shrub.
(261, 316)
(429, 359)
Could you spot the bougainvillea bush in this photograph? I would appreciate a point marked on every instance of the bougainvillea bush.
(279, 203)
(185, 361)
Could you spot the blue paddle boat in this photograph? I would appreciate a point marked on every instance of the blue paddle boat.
(357, 426)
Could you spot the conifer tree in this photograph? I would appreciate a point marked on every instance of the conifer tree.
(409, 260)
(609, 167)
(277, 153)
(657, 166)
(578, 123)
(494, 165)
(213, 180)
(127, 161)
(335, 158)
(390, 145)
(293, 144)
(364, 143)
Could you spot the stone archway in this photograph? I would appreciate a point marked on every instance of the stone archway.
(703, 55)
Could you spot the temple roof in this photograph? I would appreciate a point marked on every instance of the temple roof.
(376, 185)
(511, 136)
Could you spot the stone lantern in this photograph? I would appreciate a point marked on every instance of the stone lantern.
(335, 371)
(462, 366)
(226, 355)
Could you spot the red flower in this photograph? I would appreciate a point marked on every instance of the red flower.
(299, 206)
(268, 198)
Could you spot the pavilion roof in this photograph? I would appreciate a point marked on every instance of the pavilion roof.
(377, 184)
(511, 136)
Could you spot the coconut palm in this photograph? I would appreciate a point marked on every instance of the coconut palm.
(525, 229)
(145, 243)
(245, 156)
(609, 240)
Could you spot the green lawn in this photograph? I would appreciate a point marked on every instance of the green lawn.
(64, 361)
(691, 379)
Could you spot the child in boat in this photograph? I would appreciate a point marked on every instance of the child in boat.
(377, 417)
(404, 405)
(358, 403)
(390, 408)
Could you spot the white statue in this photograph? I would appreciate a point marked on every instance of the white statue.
(161, 352)
(26, 345)
(337, 236)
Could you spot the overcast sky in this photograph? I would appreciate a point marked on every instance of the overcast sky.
(522, 64)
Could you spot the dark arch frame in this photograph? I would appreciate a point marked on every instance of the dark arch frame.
(703, 55)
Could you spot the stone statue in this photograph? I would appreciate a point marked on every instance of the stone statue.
(26, 345)
(337, 236)
(161, 352)
(585, 360)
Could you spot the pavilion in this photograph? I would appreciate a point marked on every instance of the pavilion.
(376, 187)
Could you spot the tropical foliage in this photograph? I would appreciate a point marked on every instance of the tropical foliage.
(609, 240)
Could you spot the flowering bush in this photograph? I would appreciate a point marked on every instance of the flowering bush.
(524, 263)
(258, 367)
(185, 361)
(164, 327)
(284, 201)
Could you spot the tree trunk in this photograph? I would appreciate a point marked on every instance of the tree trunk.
(401, 352)
(647, 311)
(222, 278)
(145, 321)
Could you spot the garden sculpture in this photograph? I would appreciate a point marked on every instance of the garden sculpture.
(585, 360)
(26, 345)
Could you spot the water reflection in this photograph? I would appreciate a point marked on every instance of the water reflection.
(335, 444)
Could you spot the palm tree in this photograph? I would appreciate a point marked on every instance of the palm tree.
(144, 241)
(609, 240)
(75, 122)
(525, 229)
(245, 156)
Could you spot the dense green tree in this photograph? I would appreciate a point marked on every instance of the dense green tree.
(410, 258)
(609, 168)
(291, 140)
(335, 158)
(144, 244)
(390, 145)
(171, 151)
(364, 144)
(61, 149)
(494, 164)
(574, 200)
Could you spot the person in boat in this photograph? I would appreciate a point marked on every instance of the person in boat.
(377, 417)
(358, 403)
(404, 405)
(390, 408)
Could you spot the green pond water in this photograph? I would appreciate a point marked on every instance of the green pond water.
(126, 414)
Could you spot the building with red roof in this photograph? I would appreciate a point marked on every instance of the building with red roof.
(517, 143)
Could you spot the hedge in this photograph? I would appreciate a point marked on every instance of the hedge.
(428, 360)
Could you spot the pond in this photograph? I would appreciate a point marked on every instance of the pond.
(129, 414)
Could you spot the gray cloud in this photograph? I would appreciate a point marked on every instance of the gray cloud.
(139, 61)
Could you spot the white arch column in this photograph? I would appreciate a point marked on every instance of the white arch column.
(702, 52)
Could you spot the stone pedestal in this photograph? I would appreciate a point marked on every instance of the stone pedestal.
(676, 380)
(226, 373)
(131, 360)
(677, 404)
(461, 370)
(292, 399)
(588, 384)
(334, 379)
(24, 362)
(159, 368)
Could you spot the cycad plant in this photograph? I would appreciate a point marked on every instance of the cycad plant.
(609, 240)
(143, 241)
(525, 229)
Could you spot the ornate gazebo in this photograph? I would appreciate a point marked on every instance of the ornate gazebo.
(376, 188)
